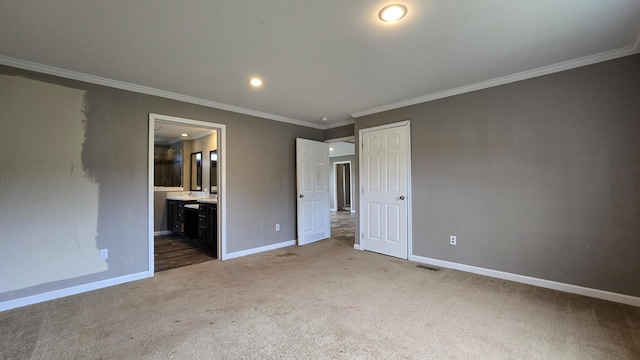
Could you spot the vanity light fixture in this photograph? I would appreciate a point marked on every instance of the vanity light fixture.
(255, 82)
(330, 149)
(392, 13)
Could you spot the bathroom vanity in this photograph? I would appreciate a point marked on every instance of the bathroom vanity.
(193, 217)
(208, 223)
(176, 214)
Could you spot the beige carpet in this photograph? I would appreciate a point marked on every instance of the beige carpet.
(321, 301)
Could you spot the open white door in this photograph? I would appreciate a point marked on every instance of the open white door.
(384, 198)
(312, 169)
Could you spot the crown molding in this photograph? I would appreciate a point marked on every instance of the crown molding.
(74, 75)
(545, 70)
(338, 124)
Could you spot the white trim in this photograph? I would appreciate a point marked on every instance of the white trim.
(342, 139)
(545, 70)
(407, 123)
(222, 179)
(357, 247)
(222, 195)
(409, 197)
(161, 232)
(332, 210)
(574, 289)
(338, 124)
(381, 127)
(150, 195)
(69, 74)
(74, 290)
(257, 250)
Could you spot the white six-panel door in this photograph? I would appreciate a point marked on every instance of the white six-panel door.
(384, 190)
(312, 168)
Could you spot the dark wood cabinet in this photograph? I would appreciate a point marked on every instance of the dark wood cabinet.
(208, 224)
(176, 216)
(201, 223)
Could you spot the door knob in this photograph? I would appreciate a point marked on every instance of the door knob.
(402, 197)
(301, 196)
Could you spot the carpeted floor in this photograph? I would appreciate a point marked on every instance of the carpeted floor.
(321, 301)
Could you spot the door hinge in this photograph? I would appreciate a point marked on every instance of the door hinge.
(362, 236)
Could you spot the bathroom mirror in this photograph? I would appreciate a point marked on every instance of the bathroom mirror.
(196, 171)
(213, 173)
(167, 162)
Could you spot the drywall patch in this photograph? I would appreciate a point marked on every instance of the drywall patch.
(49, 212)
(114, 155)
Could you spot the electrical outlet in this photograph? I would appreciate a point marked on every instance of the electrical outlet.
(104, 254)
(453, 240)
(277, 227)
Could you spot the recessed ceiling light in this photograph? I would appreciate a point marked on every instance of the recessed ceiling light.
(324, 118)
(255, 82)
(392, 13)
(185, 135)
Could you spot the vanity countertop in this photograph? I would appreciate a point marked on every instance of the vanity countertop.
(182, 198)
(208, 200)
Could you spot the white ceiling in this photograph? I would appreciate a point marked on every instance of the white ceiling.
(171, 133)
(330, 58)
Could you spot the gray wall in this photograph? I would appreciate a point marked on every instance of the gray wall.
(114, 146)
(539, 178)
(160, 222)
(338, 132)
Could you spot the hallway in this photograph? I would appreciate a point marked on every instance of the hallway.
(343, 226)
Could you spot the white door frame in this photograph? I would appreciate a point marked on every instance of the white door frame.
(361, 243)
(222, 181)
(335, 184)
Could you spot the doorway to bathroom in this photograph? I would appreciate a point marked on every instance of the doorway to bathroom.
(186, 192)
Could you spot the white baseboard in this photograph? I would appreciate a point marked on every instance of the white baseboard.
(258, 250)
(356, 246)
(574, 289)
(161, 232)
(74, 290)
(332, 210)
